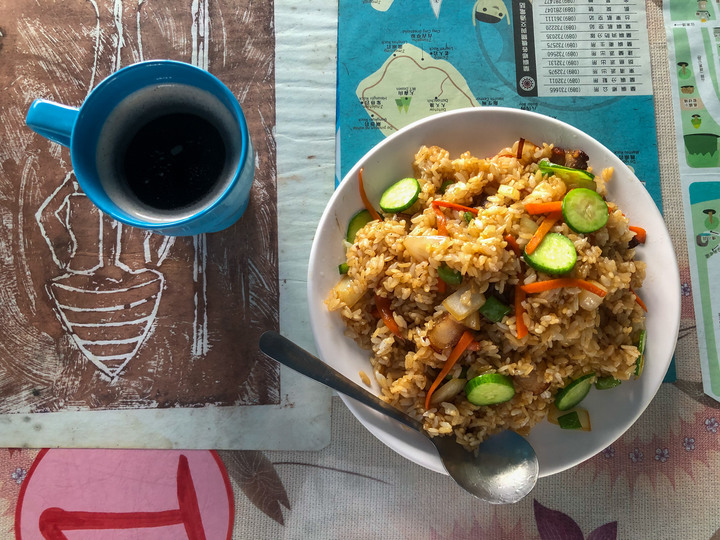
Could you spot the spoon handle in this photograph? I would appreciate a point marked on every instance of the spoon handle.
(293, 356)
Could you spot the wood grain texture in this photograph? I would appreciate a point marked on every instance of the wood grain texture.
(204, 300)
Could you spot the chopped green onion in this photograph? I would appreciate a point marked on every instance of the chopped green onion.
(576, 419)
(604, 383)
(343, 268)
(450, 276)
(468, 216)
(494, 309)
(640, 362)
(569, 421)
(446, 184)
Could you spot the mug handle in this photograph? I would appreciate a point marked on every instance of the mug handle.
(52, 120)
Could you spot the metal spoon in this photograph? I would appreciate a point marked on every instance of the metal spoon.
(503, 470)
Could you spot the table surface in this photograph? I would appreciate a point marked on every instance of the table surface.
(75, 374)
(657, 481)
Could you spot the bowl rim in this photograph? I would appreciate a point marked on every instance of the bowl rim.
(379, 426)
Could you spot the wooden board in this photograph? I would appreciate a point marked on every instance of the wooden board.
(97, 316)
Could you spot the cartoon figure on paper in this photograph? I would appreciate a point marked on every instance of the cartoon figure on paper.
(494, 32)
(710, 236)
(106, 306)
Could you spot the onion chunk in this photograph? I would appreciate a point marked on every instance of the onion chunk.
(463, 302)
(448, 391)
(419, 246)
(348, 291)
(589, 300)
(446, 333)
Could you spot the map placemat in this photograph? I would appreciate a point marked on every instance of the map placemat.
(113, 336)
(584, 62)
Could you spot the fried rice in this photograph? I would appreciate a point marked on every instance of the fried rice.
(565, 339)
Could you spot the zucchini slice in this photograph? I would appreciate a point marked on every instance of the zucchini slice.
(357, 222)
(400, 196)
(573, 178)
(574, 392)
(489, 389)
(556, 254)
(584, 210)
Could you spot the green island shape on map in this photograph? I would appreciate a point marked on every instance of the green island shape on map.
(411, 85)
(380, 5)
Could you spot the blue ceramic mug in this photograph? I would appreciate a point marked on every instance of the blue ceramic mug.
(161, 145)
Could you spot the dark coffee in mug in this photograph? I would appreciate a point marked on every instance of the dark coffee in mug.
(167, 149)
(173, 161)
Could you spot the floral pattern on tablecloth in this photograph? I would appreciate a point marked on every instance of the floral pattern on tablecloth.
(672, 454)
(14, 465)
(316, 494)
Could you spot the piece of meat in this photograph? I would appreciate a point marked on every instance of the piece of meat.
(558, 156)
(575, 159)
(534, 382)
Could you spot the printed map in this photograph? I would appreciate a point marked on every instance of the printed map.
(402, 60)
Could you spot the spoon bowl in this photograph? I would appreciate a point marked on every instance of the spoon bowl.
(502, 470)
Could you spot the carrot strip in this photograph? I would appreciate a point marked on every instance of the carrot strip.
(442, 286)
(534, 208)
(383, 305)
(365, 199)
(522, 329)
(541, 286)
(542, 230)
(455, 206)
(639, 301)
(510, 239)
(441, 221)
(457, 351)
(640, 233)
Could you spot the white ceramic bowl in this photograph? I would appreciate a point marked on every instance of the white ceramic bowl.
(485, 131)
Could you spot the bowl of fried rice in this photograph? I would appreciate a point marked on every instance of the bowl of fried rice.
(488, 269)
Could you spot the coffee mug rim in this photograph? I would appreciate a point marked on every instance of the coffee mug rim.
(200, 214)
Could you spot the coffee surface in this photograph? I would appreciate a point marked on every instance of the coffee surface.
(174, 160)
